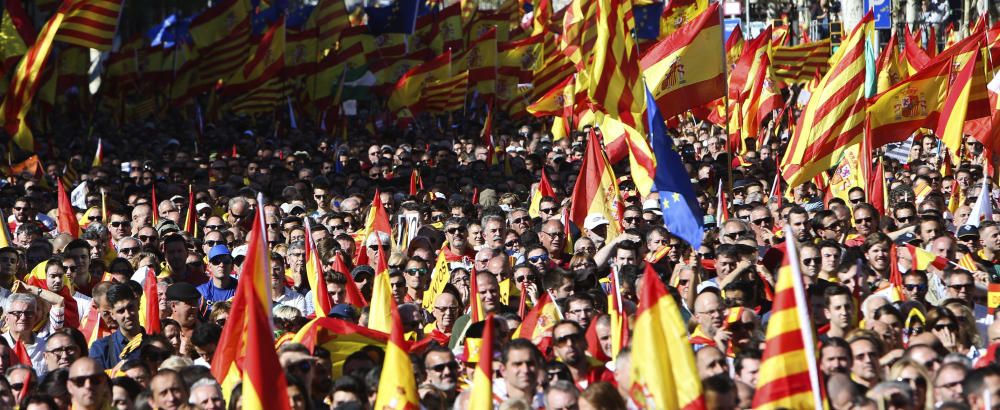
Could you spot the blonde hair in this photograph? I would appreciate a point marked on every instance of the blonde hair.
(897, 369)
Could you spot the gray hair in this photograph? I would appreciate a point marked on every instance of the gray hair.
(22, 298)
(122, 241)
(562, 386)
(297, 245)
(202, 383)
(499, 219)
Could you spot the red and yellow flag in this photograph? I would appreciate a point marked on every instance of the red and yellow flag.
(352, 295)
(596, 190)
(922, 259)
(376, 223)
(909, 105)
(382, 308)
(91, 23)
(340, 338)
(92, 327)
(615, 87)
(916, 57)
(891, 69)
(789, 374)
(680, 73)
(796, 64)
(5, 237)
(482, 377)
(476, 311)
(266, 62)
(149, 304)
(16, 35)
(956, 105)
(26, 81)
(544, 189)
(664, 375)
(642, 162)
(539, 321)
(833, 119)
(314, 274)
(397, 388)
(190, 216)
(445, 95)
(66, 222)
(678, 14)
(407, 91)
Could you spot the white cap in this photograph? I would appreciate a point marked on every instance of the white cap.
(594, 220)
(202, 205)
(382, 236)
(288, 207)
(653, 206)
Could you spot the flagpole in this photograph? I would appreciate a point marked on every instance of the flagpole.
(725, 98)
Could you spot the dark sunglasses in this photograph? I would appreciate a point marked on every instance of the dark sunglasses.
(80, 381)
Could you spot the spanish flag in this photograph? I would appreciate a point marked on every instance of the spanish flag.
(922, 259)
(353, 295)
(956, 105)
(481, 396)
(684, 70)
(383, 306)
(314, 274)
(440, 277)
(553, 103)
(642, 163)
(615, 86)
(916, 57)
(408, 89)
(190, 217)
(664, 375)
(833, 119)
(149, 304)
(909, 105)
(678, 14)
(340, 338)
(890, 68)
(789, 375)
(544, 189)
(596, 190)
(397, 388)
(377, 222)
(5, 237)
(539, 321)
(92, 327)
(476, 312)
(67, 222)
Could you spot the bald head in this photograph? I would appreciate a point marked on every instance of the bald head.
(88, 385)
(499, 266)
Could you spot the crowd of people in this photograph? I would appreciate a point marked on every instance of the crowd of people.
(73, 335)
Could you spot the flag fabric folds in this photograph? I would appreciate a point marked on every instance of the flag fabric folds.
(91, 23)
(797, 64)
(482, 377)
(314, 275)
(408, 89)
(911, 104)
(67, 221)
(681, 213)
(664, 375)
(789, 374)
(340, 338)
(396, 387)
(686, 69)
(833, 119)
(614, 87)
(596, 190)
(149, 304)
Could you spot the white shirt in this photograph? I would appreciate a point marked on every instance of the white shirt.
(36, 351)
(82, 304)
(290, 298)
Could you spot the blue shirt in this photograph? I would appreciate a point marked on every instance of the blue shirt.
(213, 294)
(107, 350)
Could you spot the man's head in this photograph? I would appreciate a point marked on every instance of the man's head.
(980, 385)
(865, 219)
(569, 343)
(184, 301)
(552, 237)
(124, 307)
(835, 356)
(206, 394)
(442, 369)
(561, 395)
(711, 361)
(167, 390)
(489, 291)
(520, 363)
(709, 312)
(21, 313)
(960, 285)
(839, 307)
(866, 350)
(948, 382)
(88, 385)
(60, 351)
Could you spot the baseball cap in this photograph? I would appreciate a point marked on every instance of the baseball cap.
(652, 205)
(166, 226)
(344, 311)
(201, 206)
(594, 220)
(218, 250)
(183, 291)
(968, 230)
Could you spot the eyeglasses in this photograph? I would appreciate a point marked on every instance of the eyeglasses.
(303, 366)
(863, 220)
(147, 238)
(762, 221)
(735, 235)
(373, 248)
(856, 201)
(446, 309)
(211, 244)
(70, 268)
(579, 312)
(555, 234)
(961, 286)
(521, 220)
(22, 313)
(416, 271)
(550, 211)
(524, 278)
(218, 227)
(94, 379)
(68, 350)
(456, 230)
(949, 326)
(633, 219)
(340, 227)
(914, 381)
(129, 251)
(222, 261)
(439, 368)
(915, 287)
(120, 224)
(566, 339)
(21, 208)
(811, 261)
(905, 219)
(511, 244)
(538, 258)
(832, 227)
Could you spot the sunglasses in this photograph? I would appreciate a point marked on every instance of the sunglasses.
(565, 339)
(129, 251)
(341, 227)
(416, 271)
(762, 221)
(120, 224)
(456, 231)
(949, 326)
(538, 258)
(94, 379)
(214, 243)
(511, 244)
(550, 211)
(633, 220)
(215, 227)
(147, 238)
(905, 219)
(863, 220)
(735, 235)
(811, 261)
(522, 220)
(438, 368)
(915, 287)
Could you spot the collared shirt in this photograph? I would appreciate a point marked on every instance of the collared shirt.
(108, 350)
(290, 298)
(36, 351)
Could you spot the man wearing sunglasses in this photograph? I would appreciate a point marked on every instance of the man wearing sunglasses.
(570, 347)
(442, 371)
(456, 235)
(88, 385)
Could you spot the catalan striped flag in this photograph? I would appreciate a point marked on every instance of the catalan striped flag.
(642, 163)
(481, 396)
(397, 388)
(579, 31)
(314, 274)
(247, 333)
(445, 95)
(687, 69)
(330, 17)
(664, 375)
(266, 62)
(91, 23)
(789, 376)
(149, 304)
(26, 81)
(833, 119)
(16, 35)
(596, 189)
(614, 72)
(796, 64)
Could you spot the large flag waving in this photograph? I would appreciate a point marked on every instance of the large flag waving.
(91, 23)
(681, 212)
(397, 388)
(314, 275)
(687, 69)
(833, 119)
(913, 103)
(596, 189)
(614, 72)
(409, 87)
(789, 375)
(664, 375)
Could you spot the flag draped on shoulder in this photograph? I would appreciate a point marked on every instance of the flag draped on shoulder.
(664, 375)
(833, 119)
(789, 374)
(687, 69)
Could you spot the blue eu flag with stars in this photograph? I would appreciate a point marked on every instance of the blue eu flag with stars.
(400, 17)
(647, 20)
(681, 213)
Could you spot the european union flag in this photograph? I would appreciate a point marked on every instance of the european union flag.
(647, 21)
(171, 31)
(681, 213)
(400, 17)
(297, 18)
